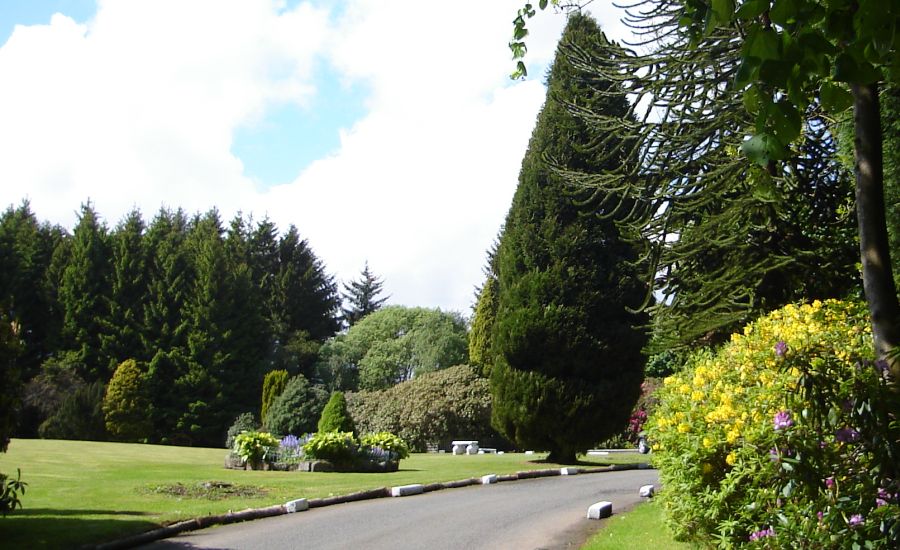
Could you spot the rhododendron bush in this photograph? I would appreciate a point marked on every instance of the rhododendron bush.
(784, 437)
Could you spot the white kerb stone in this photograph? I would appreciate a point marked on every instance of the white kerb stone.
(299, 505)
(568, 471)
(646, 491)
(488, 479)
(406, 490)
(529, 452)
(600, 510)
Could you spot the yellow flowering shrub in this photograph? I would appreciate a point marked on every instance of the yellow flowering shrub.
(745, 434)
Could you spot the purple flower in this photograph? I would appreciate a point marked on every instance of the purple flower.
(780, 348)
(783, 420)
(290, 442)
(883, 498)
(773, 454)
(762, 533)
(820, 515)
(829, 483)
(847, 435)
(856, 519)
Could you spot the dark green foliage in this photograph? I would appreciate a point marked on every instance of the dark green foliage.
(437, 407)
(80, 416)
(298, 408)
(568, 363)
(10, 379)
(663, 364)
(245, 422)
(273, 386)
(126, 404)
(170, 281)
(84, 295)
(362, 296)
(890, 120)
(335, 417)
(43, 394)
(128, 294)
(480, 342)
(26, 251)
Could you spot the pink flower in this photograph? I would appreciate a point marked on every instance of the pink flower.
(829, 483)
(856, 519)
(783, 420)
(780, 349)
(762, 533)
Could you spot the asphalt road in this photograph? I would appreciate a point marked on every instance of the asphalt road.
(544, 513)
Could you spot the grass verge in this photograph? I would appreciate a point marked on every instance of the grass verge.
(642, 527)
(82, 492)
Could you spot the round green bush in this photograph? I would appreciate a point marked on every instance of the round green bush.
(339, 448)
(784, 437)
(297, 410)
(388, 442)
(254, 447)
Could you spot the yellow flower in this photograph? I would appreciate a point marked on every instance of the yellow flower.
(684, 428)
(707, 442)
(730, 459)
(697, 395)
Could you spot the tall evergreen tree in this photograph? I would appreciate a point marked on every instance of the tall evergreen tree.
(84, 295)
(362, 296)
(26, 251)
(124, 333)
(170, 280)
(568, 364)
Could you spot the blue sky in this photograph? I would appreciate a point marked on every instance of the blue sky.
(387, 132)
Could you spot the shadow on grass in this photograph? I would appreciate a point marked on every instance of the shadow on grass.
(43, 532)
(582, 462)
(75, 512)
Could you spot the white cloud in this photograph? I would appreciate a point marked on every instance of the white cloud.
(139, 106)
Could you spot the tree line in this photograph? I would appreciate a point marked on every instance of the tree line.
(203, 308)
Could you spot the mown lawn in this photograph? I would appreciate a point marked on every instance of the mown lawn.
(642, 527)
(87, 492)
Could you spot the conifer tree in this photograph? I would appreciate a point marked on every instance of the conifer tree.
(124, 331)
(273, 386)
(335, 417)
(125, 404)
(362, 296)
(169, 283)
(568, 364)
(84, 295)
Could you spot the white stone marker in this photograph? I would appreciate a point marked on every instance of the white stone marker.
(488, 479)
(646, 491)
(600, 510)
(299, 505)
(406, 490)
(568, 471)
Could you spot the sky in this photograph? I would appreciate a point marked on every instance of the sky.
(386, 131)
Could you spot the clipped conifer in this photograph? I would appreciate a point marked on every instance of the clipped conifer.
(125, 405)
(273, 386)
(335, 417)
(567, 356)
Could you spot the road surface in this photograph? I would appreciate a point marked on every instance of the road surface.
(544, 513)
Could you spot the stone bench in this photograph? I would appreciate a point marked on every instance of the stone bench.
(464, 446)
(487, 451)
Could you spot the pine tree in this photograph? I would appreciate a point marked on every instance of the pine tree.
(335, 417)
(273, 385)
(568, 364)
(362, 296)
(84, 295)
(170, 280)
(124, 333)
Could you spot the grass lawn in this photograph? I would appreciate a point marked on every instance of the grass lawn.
(642, 527)
(88, 492)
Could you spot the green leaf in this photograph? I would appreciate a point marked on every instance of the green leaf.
(722, 11)
(763, 148)
(752, 9)
(542, 4)
(520, 71)
(785, 121)
(747, 72)
(784, 11)
(751, 100)
(764, 44)
(835, 99)
(775, 73)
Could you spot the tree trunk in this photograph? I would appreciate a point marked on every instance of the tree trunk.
(878, 280)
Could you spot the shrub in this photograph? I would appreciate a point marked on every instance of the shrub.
(298, 408)
(335, 417)
(273, 385)
(10, 489)
(388, 442)
(339, 448)
(784, 436)
(125, 404)
(245, 422)
(80, 416)
(254, 447)
(435, 407)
